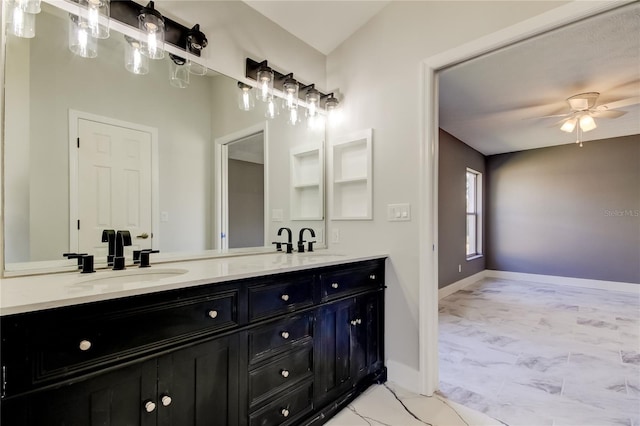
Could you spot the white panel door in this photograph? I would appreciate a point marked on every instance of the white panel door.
(114, 185)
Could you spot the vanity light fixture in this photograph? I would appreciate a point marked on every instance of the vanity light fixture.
(81, 42)
(271, 110)
(20, 23)
(151, 23)
(98, 12)
(28, 6)
(134, 61)
(271, 82)
(290, 89)
(178, 71)
(331, 105)
(195, 42)
(246, 100)
(265, 78)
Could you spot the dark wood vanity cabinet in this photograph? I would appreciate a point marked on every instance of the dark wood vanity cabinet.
(282, 349)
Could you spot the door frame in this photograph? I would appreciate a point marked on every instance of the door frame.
(221, 195)
(429, 145)
(74, 116)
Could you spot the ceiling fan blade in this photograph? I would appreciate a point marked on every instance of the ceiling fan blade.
(611, 113)
(548, 116)
(619, 104)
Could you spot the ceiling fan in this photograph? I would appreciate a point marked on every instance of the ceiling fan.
(584, 110)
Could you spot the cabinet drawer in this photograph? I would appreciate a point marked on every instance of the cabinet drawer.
(90, 342)
(280, 374)
(286, 409)
(277, 336)
(351, 279)
(278, 297)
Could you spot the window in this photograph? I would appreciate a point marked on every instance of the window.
(474, 213)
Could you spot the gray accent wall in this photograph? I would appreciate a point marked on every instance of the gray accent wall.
(566, 211)
(246, 204)
(454, 158)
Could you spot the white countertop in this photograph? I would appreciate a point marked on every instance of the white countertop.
(33, 293)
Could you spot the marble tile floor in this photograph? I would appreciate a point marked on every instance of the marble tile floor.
(536, 354)
(390, 405)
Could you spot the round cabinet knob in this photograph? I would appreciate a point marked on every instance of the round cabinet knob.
(285, 297)
(85, 345)
(372, 277)
(285, 334)
(149, 406)
(354, 322)
(285, 373)
(213, 314)
(359, 321)
(334, 285)
(284, 412)
(166, 400)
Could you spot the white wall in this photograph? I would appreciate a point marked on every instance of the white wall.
(378, 70)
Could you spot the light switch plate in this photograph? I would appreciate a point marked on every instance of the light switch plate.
(399, 212)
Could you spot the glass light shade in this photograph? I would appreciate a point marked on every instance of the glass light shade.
(21, 23)
(28, 6)
(81, 42)
(312, 98)
(290, 89)
(151, 23)
(331, 106)
(272, 110)
(587, 123)
(569, 125)
(246, 100)
(178, 72)
(293, 118)
(134, 61)
(196, 41)
(97, 17)
(265, 84)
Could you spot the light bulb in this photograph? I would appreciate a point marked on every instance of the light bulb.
(272, 108)
(312, 98)
(587, 123)
(265, 78)
(81, 42)
(246, 102)
(293, 116)
(134, 61)
(569, 125)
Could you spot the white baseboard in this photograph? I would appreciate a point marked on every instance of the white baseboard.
(568, 281)
(404, 376)
(459, 285)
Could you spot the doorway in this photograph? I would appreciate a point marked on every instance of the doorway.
(242, 190)
(113, 182)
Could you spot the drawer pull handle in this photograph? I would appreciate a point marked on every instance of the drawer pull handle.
(285, 297)
(85, 345)
(372, 277)
(149, 406)
(334, 285)
(166, 400)
(285, 334)
(284, 412)
(284, 373)
(213, 314)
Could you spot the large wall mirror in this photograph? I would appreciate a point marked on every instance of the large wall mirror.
(183, 154)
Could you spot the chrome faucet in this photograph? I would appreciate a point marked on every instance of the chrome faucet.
(301, 241)
(289, 242)
(123, 238)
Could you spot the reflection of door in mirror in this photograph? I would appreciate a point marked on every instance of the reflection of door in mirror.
(243, 186)
(113, 188)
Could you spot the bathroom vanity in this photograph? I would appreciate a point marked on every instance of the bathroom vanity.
(256, 340)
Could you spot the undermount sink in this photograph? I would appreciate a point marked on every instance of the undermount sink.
(320, 254)
(134, 275)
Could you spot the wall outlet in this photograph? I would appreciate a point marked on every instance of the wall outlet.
(335, 235)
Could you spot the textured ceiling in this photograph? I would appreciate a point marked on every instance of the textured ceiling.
(491, 102)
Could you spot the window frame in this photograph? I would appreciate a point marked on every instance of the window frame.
(477, 214)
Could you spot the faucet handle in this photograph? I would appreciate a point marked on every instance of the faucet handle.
(278, 245)
(75, 256)
(144, 257)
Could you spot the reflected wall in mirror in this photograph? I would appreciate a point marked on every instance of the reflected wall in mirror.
(48, 90)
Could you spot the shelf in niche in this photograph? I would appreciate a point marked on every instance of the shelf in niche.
(307, 191)
(352, 184)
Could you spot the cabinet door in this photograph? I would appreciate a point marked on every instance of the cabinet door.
(112, 399)
(333, 357)
(198, 385)
(366, 335)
